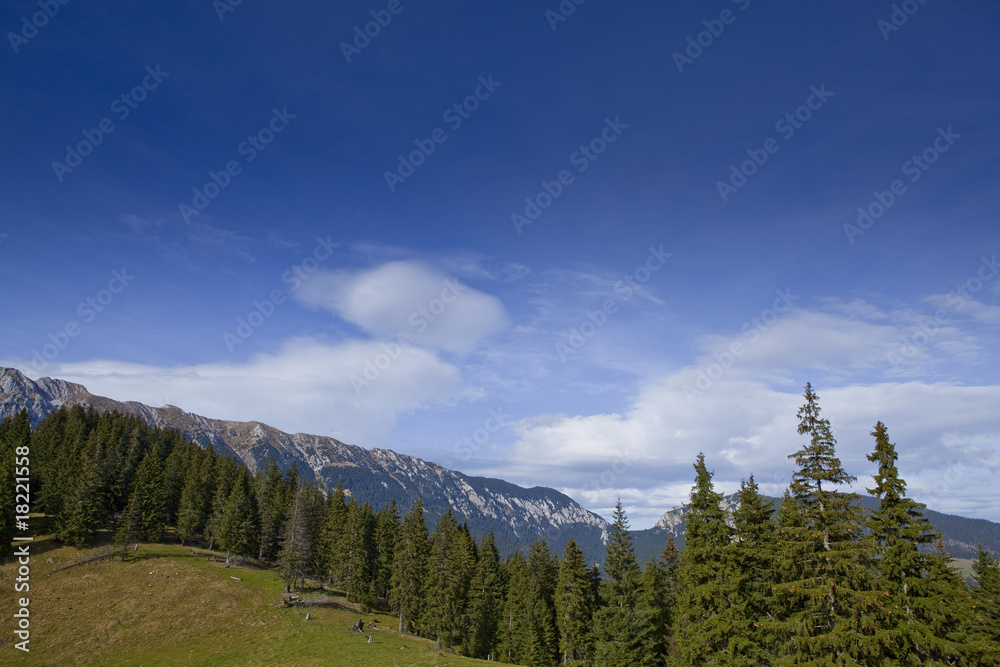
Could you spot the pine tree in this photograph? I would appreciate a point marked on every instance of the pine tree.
(986, 607)
(224, 473)
(317, 565)
(83, 511)
(147, 501)
(273, 497)
(486, 594)
(543, 570)
(661, 584)
(623, 627)
(923, 597)
(518, 634)
(174, 474)
(751, 577)
(129, 527)
(409, 569)
(699, 631)
(297, 546)
(828, 599)
(15, 432)
(449, 573)
(386, 534)
(359, 554)
(194, 504)
(333, 536)
(574, 603)
(240, 525)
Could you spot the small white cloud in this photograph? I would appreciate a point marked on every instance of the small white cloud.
(406, 297)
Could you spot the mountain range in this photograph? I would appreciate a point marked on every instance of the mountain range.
(516, 515)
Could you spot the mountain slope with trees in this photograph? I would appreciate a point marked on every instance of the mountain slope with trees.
(823, 583)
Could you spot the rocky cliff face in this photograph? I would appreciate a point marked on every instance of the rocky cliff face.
(515, 514)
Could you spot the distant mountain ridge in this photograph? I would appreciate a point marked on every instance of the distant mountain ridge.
(516, 515)
(962, 536)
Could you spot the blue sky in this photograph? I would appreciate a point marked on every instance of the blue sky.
(696, 254)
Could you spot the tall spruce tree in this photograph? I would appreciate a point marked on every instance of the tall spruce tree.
(386, 534)
(699, 630)
(83, 511)
(623, 627)
(574, 603)
(196, 496)
(986, 609)
(486, 594)
(272, 503)
(149, 497)
(224, 471)
(297, 547)
(359, 547)
(544, 572)
(924, 620)
(661, 584)
(522, 637)
(409, 569)
(333, 537)
(239, 529)
(449, 573)
(830, 606)
(174, 472)
(751, 577)
(15, 433)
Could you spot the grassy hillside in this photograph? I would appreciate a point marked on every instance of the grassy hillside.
(166, 607)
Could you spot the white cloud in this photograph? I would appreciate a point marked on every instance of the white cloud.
(408, 297)
(746, 426)
(743, 418)
(305, 387)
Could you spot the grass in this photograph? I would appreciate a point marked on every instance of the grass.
(164, 606)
